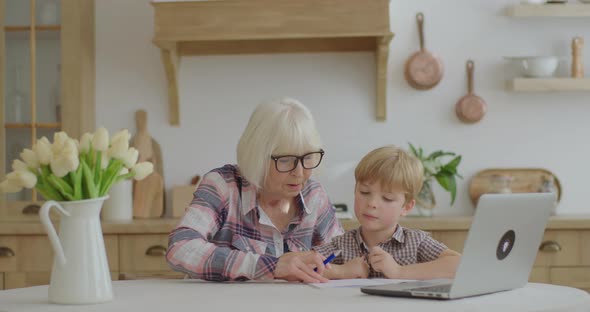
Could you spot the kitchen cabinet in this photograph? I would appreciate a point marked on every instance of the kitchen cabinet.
(46, 82)
(563, 257)
(136, 250)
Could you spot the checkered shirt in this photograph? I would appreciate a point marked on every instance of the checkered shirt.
(223, 234)
(407, 246)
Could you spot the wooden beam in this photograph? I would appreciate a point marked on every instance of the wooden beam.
(171, 62)
(295, 45)
(381, 57)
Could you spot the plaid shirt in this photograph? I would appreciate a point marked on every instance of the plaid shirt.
(225, 236)
(407, 246)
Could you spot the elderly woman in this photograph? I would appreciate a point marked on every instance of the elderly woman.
(259, 219)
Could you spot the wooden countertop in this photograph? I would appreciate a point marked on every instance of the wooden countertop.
(163, 226)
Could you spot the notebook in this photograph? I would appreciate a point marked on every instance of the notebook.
(499, 252)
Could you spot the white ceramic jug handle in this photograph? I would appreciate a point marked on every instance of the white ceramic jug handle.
(53, 238)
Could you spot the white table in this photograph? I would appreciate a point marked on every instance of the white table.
(191, 295)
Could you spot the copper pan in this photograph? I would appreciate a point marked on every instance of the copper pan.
(423, 70)
(470, 108)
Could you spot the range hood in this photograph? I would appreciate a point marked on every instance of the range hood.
(270, 26)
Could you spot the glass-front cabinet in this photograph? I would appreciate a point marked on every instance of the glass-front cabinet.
(46, 82)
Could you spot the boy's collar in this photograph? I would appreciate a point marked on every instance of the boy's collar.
(398, 235)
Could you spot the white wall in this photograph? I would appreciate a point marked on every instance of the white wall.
(218, 94)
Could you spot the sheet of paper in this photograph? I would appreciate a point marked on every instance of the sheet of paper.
(357, 282)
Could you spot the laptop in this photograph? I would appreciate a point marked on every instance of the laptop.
(499, 252)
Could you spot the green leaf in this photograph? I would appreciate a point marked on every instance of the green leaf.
(62, 186)
(89, 181)
(413, 149)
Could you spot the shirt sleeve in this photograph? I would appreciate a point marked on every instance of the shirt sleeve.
(327, 249)
(190, 250)
(429, 249)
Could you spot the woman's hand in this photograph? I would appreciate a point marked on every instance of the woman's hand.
(299, 266)
(383, 262)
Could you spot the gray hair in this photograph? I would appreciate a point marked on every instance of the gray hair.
(280, 127)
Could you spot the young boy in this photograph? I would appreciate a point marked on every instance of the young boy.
(387, 180)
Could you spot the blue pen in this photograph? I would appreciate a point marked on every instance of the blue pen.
(330, 258)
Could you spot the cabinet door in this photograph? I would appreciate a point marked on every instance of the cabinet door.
(562, 248)
(46, 79)
(1, 281)
(143, 253)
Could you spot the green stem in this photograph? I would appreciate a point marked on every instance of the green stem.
(63, 188)
(111, 175)
(89, 182)
(48, 192)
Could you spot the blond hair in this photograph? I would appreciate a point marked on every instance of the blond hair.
(391, 167)
(280, 127)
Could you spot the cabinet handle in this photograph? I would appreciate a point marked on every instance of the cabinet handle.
(32, 209)
(156, 251)
(6, 252)
(550, 246)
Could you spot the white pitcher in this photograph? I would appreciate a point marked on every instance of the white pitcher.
(80, 272)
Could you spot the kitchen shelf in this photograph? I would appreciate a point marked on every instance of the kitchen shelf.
(549, 84)
(270, 26)
(549, 10)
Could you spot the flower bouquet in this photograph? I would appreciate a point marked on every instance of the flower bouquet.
(72, 170)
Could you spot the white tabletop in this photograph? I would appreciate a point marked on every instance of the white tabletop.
(191, 295)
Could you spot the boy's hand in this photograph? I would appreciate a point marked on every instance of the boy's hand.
(382, 261)
(356, 268)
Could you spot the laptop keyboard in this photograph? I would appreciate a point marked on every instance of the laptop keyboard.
(436, 289)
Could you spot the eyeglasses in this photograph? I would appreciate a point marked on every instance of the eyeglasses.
(287, 163)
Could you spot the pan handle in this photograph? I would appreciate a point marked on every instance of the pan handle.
(470, 68)
(420, 21)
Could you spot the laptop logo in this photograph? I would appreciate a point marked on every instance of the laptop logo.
(505, 245)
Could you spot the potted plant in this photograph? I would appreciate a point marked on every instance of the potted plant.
(436, 168)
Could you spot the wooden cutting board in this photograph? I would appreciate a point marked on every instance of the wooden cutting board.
(148, 194)
(524, 180)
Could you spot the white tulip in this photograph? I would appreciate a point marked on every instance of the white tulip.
(85, 142)
(17, 165)
(27, 178)
(142, 170)
(67, 160)
(43, 151)
(30, 158)
(119, 144)
(130, 157)
(124, 171)
(100, 140)
(8, 187)
(59, 140)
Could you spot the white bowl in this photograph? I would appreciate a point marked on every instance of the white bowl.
(536, 66)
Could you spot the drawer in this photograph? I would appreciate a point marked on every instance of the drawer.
(563, 248)
(33, 253)
(578, 277)
(1, 281)
(24, 211)
(540, 275)
(141, 253)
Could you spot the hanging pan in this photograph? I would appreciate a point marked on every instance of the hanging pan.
(423, 70)
(470, 108)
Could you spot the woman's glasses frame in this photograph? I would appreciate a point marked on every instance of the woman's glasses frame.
(297, 159)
